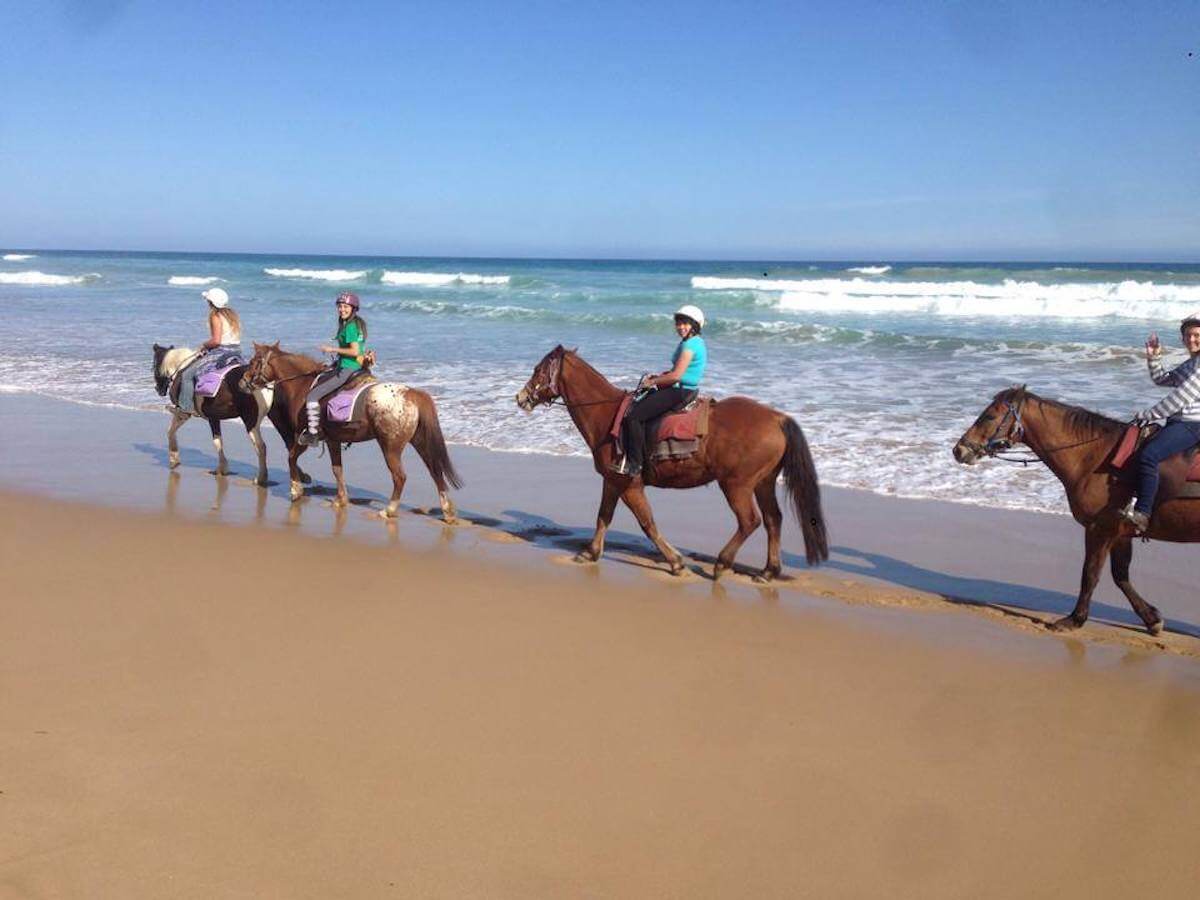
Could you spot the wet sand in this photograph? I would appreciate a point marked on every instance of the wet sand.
(326, 718)
(212, 692)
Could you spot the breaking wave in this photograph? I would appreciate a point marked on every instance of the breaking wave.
(1009, 298)
(318, 274)
(192, 280)
(18, 257)
(41, 278)
(870, 270)
(439, 279)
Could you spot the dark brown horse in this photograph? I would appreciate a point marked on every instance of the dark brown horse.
(231, 402)
(1078, 447)
(746, 448)
(394, 415)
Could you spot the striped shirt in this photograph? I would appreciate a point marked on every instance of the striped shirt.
(1183, 403)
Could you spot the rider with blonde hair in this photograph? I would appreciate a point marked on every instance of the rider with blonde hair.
(1180, 408)
(670, 390)
(223, 347)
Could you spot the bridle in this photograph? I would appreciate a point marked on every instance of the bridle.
(995, 445)
(551, 384)
(254, 384)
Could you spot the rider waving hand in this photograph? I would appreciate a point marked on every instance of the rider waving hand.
(1181, 409)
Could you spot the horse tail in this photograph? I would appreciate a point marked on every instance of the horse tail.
(800, 477)
(430, 444)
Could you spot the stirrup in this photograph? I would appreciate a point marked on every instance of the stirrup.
(1138, 520)
(622, 467)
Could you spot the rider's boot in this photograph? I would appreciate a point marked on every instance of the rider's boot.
(624, 467)
(1139, 520)
(312, 436)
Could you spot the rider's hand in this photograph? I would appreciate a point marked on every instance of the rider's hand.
(369, 359)
(1153, 347)
(326, 348)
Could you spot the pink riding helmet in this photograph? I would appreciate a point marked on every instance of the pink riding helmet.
(347, 297)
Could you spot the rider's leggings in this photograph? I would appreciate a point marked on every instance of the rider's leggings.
(323, 389)
(1174, 438)
(653, 405)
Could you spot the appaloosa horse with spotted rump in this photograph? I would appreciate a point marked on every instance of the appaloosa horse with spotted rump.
(393, 415)
(231, 401)
(747, 447)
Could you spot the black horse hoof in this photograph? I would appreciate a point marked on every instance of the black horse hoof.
(1066, 623)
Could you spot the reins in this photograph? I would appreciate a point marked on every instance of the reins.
(994, 447)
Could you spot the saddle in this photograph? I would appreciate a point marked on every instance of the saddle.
(208, 383)
(345, 407)
(1180, 474)
(674, 435)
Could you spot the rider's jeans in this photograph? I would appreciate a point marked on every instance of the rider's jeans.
(1174, 438)
(653, 405)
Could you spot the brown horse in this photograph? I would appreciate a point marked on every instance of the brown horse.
(230, 402)
(1078, 447)
(394, 416)
(746, 448)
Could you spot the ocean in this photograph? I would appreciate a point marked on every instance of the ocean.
(883, 363)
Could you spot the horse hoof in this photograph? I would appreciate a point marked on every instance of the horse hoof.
(305, 478)
(585, 556)
(173, 462)
(766, 576)
(1155, 629)
(718, 571)
(1066, 623)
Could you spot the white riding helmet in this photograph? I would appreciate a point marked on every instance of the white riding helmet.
(217, 297)
(691, 312)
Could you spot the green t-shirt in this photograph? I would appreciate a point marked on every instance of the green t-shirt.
(349, 334)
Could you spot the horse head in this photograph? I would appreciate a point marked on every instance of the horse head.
(997, 429)
(260, 371)
(543, 385)
(162, 382)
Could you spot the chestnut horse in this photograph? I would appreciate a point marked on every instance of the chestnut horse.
(746, 448)
(230, 402)
(394, 415)
(1078, 446)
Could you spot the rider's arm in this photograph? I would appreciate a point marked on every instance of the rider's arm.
(352, 350)
(1160, 375)
(1186, 394)
(214, 331)
(666, 379)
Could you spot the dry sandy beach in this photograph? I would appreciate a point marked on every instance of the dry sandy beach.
(210, 693)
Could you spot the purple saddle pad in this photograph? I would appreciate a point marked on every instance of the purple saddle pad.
(341, 405)
(208, 383)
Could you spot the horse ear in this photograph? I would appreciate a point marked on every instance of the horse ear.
(158, 349)
(275, 345)
(573, 350)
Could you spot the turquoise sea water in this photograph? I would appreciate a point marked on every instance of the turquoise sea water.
(883, 363)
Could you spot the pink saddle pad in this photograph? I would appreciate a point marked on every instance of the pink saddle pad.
(209, 383)
(341, 405)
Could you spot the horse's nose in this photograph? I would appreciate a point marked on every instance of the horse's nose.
(962, 454)
(520, 398)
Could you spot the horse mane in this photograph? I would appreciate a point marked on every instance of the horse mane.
(172, 359)
(299, 357)
(574, 354)
(1080, 419)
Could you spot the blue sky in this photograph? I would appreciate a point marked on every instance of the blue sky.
(730, 130)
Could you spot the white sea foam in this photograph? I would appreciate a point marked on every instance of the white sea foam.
(42, 279)
(439, 279)
(1010, 298)
(192, 280)
(318, 274)
(870, 270)
(18, 257)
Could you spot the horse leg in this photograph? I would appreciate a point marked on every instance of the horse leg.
(635, 498)
(449, 513)
(1122, 555)
(260, 447)
(772, 515)
(222, 464)
(1097, 544)
(741, 501)
(608, 503)
(335, 461)
(177, 419)
(392, 456)
(295, 476)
